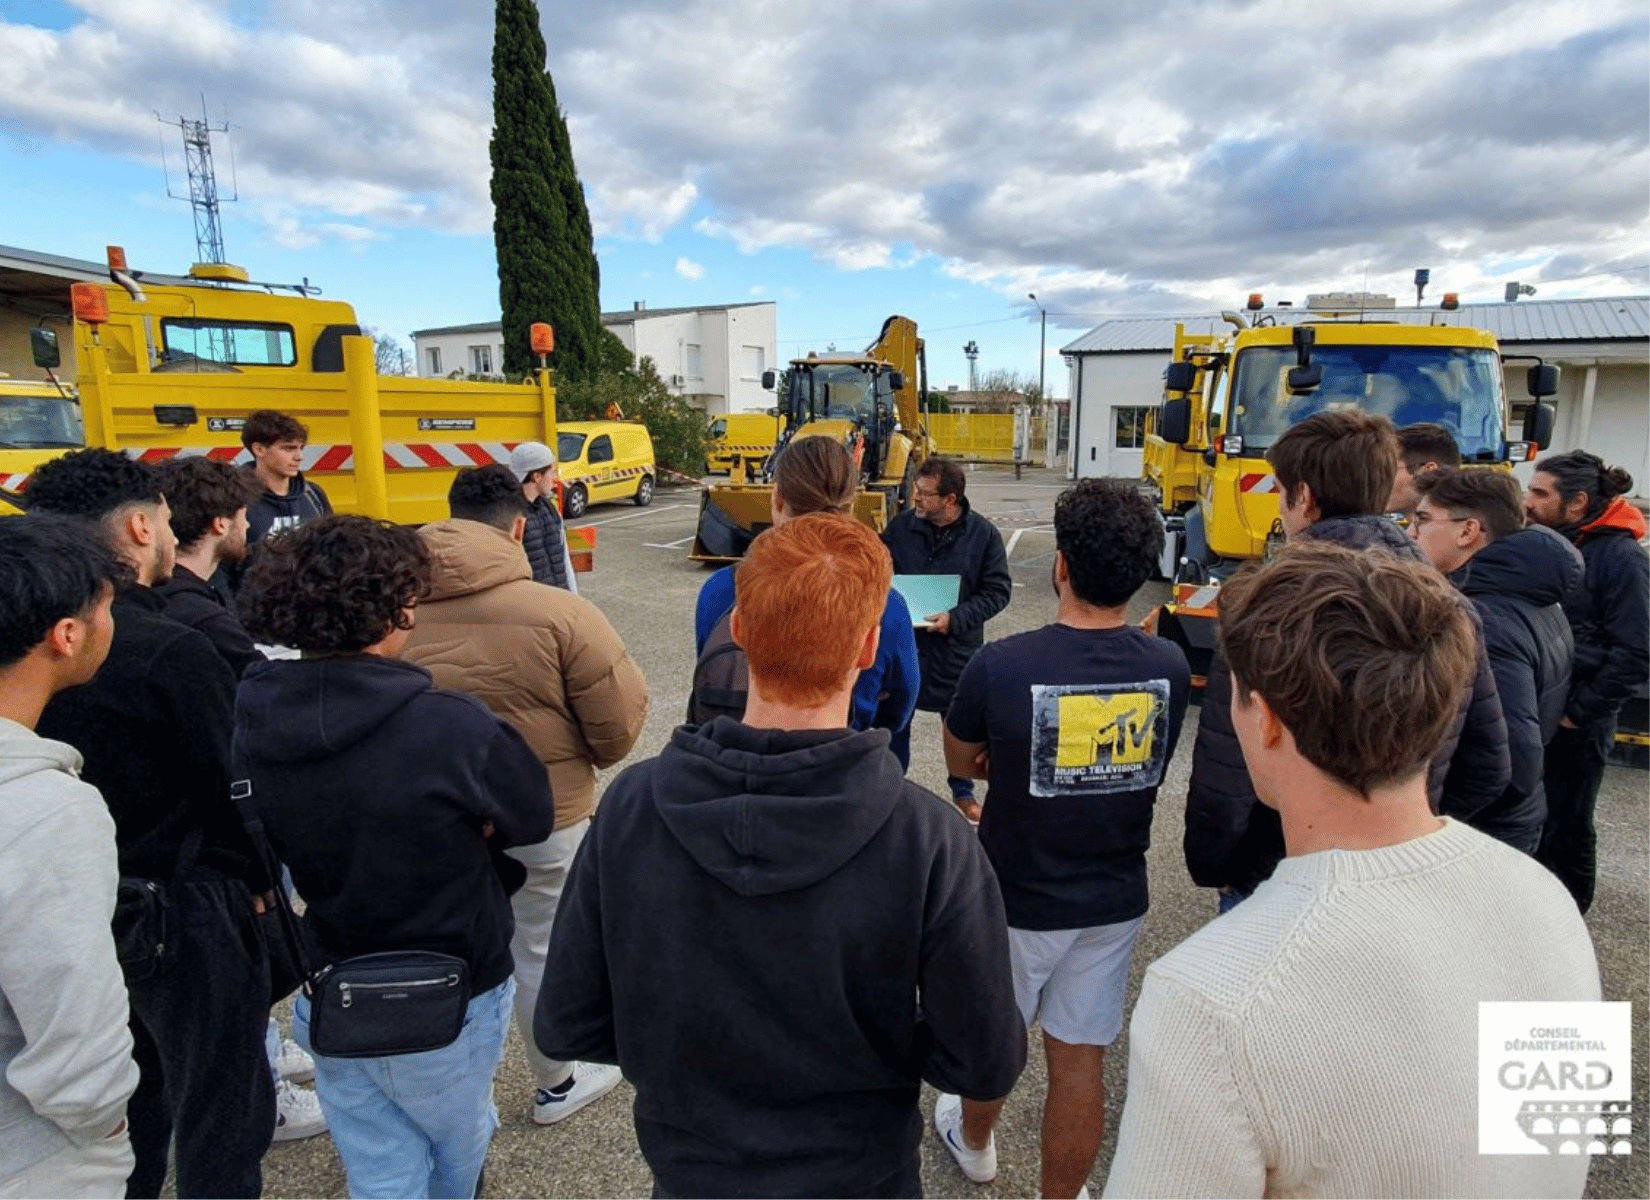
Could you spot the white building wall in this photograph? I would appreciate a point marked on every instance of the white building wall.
(1102, 384)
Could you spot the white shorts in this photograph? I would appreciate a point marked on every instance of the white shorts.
(1074, 980)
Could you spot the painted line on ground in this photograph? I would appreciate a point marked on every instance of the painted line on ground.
(676, 545)
(647, 512)
(1014, 540)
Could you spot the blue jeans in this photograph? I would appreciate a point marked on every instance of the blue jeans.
(415, 1125)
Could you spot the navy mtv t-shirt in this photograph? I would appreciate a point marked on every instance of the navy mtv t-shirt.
(1080, 724)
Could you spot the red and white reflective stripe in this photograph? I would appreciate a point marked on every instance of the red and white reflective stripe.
(155, 454)
(14, 483)
(441, 455)
(340, 456)
(1258, 484)
(621, 473)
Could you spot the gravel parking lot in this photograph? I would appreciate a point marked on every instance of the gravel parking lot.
(645, 584)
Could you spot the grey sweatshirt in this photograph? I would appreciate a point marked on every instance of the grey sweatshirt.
(65, 1051)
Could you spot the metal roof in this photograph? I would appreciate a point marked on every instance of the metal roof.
(1606, 319)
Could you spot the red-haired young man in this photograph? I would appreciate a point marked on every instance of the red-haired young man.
(804, 937)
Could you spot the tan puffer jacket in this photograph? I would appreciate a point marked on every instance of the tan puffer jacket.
(543, 659)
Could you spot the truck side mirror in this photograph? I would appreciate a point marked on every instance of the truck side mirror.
(43, 345)
(1302, 381)
(1542, 380)
(896, 380)
(1179, 376)
(770, 380)
(1538, 422)
(1174, 421)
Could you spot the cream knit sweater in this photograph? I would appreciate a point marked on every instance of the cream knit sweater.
(1322, 1038)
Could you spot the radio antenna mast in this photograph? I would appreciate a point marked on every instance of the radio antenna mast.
(203, 194)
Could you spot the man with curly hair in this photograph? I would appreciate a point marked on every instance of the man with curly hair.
(1073, 725)
(154, 728)
(390, 800)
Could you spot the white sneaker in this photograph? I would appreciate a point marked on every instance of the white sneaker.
(298, 1113)
(294, 1063)
(591, 1081)
(979, 1165)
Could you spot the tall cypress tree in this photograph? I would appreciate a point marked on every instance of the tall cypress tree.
(546, 252)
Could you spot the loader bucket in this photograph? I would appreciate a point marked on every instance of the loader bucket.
(733, 514)
(729, 519)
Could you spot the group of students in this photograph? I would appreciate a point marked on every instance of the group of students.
(773, 933)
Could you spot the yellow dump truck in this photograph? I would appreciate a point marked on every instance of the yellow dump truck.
(871, 403)
(173, 367)
(741, 443)
(1229, 396)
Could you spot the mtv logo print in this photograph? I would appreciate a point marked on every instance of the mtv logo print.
(1098, 737)
(1554, 1077)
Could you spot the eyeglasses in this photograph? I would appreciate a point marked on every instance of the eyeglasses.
(927, 493)
(1422, 518)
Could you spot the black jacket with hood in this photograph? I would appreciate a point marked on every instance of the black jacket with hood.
(1516, 585)
(304, 501)
(1233, 840)
(779, 939)
(1610, 615)
(192, 601)
(374, 785)
(971, 548)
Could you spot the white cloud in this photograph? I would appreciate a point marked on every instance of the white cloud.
(1101, 155)
(688, 269)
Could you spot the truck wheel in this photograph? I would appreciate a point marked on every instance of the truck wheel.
(644, 492)
(575, 502)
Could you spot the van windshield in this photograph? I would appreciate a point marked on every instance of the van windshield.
(1457, 388)
(569, 447)
(35, 422)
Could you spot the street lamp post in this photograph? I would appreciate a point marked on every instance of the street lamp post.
(1042, 348)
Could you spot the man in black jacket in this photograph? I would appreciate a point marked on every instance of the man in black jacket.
(276, 442)
(1335, 472)
(154, 730)
(534, 466)
(1470, 524)
(773, 933)
(208, 502)
(1581, 498)
(941, 534)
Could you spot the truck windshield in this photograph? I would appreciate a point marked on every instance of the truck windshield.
(841, 390)
(569, 446)
(39, 422)
(1457, 388)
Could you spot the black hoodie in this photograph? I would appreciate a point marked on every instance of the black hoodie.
(1233, 840)
(374, 785)
(778, 938)
(1517, 584)
(304, 501)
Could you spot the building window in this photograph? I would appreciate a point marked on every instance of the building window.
(692, 361)
(1131, 428)
(752, 362)
(434, 355)
(481, 360)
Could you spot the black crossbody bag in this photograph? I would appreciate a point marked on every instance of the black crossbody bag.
(372, 1005)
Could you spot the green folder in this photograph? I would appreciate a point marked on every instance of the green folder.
(926, 594)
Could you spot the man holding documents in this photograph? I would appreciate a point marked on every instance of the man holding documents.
(941, 535)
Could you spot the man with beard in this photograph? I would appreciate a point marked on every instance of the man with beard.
(941, 534)
(153, 728)
(1581, 498)
(208, 501)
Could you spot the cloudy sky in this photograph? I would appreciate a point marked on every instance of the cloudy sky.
(940, 158)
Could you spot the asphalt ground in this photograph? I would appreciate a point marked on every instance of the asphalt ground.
(646, 585)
